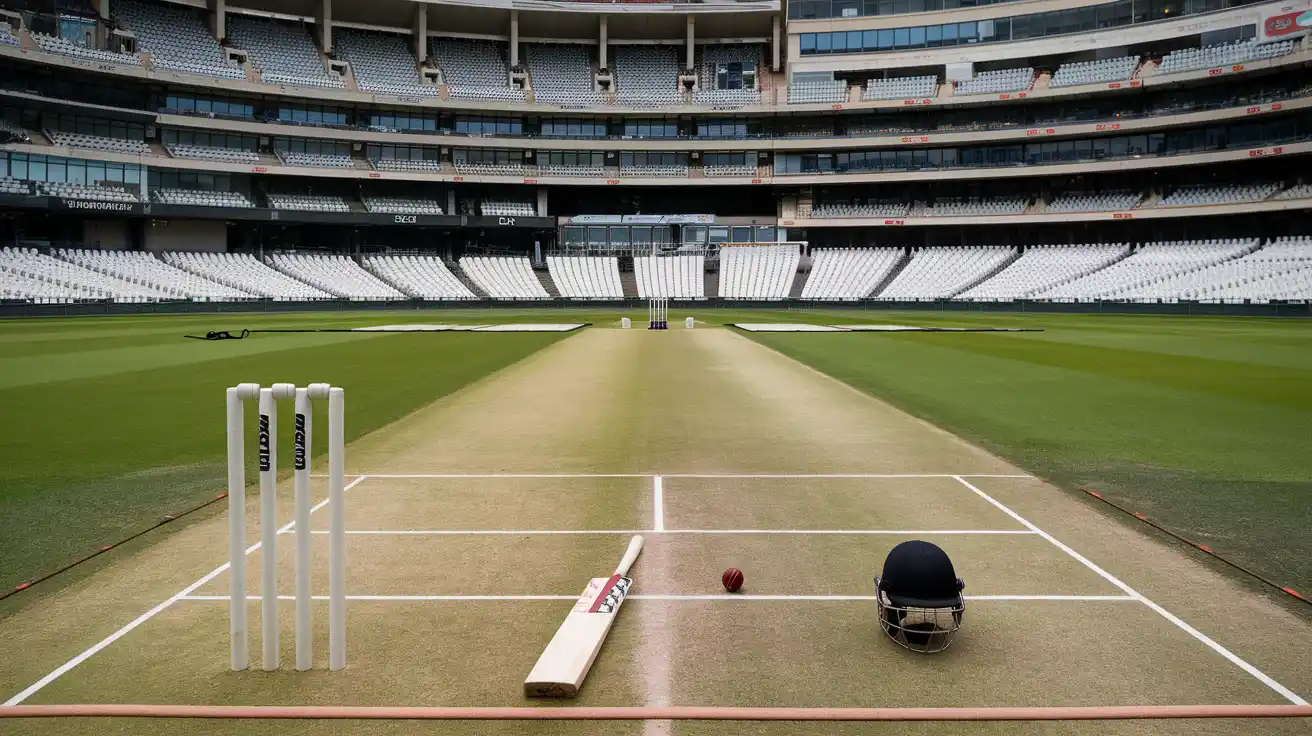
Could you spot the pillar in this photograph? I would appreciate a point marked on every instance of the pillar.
(691, 34)
(774, 55)
(601, 44)
(219, 18)
(421, 31)
(514, 39)
(326, 26)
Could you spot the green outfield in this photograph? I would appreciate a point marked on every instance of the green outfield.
(492, 474)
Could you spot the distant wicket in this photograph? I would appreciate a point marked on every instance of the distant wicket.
(268, 468)
(658, 313)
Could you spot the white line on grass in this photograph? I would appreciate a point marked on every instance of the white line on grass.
(658, 504)
(184, 594)
(1288, 694)
(526, 532)
(457, 476)
(670, 597)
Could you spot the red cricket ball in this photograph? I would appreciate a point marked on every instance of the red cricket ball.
(732, 579)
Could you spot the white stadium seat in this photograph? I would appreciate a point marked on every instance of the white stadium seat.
(848, 274)
(586, 277)
(422, 277)
(504, 277)
(284, 53)
(338, 275)
(176, 38)
(674, 277)
(757, 271)
(1043, 267)
(942, 272)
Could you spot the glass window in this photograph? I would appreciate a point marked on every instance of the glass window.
(839, 43)
(918, 37)
(950, 34)
(870, 40)
(934, 36)
(886, 39)
(823, 43)
(808, 43)
(967, 33)
(901, 38)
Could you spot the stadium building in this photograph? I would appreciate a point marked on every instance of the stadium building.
(1058, 152)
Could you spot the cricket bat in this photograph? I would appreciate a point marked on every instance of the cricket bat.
(565, 662)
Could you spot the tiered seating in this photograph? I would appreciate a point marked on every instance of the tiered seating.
(563, 170)
(757, 271)
(942, 272)
(1101, 202)
(729, 170)
(900, 88)
(507, 208)
(321, 160)
(64, 47)
(1094, 72)
(7, 37)
(244, 272)
(1222, 54)
(1149, 263)
(475, 70)
(1043, 267)
(580, 277)
(28, 275)
(381, 63)
(88, 192)
(883, 209)
(201, 198)
(634, 170)
(504, 277)
(562, 75)
(1281, 270)
(337, 275)
(1298, 191)
(211, 153)
(973, 207)
(401, 206)
(12, 132)
(13, 186)
(467, 167)
(307, 203)
(712, 57)
(1000, 80)
(177, 39)
(1193, 196)
(284, 54)
(406, 164)
(674, 277)
(646, 76)
(143, 269)
(98, 143)
(848, 274)
(422, 277)
(814, 93)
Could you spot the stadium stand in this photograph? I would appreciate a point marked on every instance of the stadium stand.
(338, 275)
(422, 277)
(474, 70)
(1222, 54)
(381, 63)
(405, 164)
(901, 88)
(401, 206)
(13, 133)
(562, 75)
(307, 203)
(711, 58)
(730, 170)
(7, 37)
(177, 39)
(211, 153)
(244, 272)
(98, 143)
(645, 170)
(321, 160)
(757, 271)
(1298, 191)
(1152, 262)
(567, 170)
(467, 167)
(976, 207)
(939, 272)
(881, 209)
(13, 186)
(1045, 267)
(284, 54)
(141, 268)
(813, 93)
(506, 208)
(89, 192)
(579, 277)
(504, 277)
(1001, 80)
(646, 76)
(1094, 72)
(1100, 202)
(200, 198)
(1280, 270)
(29, 275)
(848, 274)
(675, 277)
(64, 47)
(1194, 196)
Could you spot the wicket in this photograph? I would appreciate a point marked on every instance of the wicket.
(658, 313)
(268, 469)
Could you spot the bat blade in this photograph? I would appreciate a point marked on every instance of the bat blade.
(560, 671)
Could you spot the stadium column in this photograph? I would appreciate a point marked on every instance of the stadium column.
(692, 23)
(774, 57)
(514, 39)
(218, 17)
(601, 43)
(326, 26)
(421, 31)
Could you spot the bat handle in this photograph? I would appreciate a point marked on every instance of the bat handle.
(630, 556)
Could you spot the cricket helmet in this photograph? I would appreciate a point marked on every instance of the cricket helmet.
(919, 597)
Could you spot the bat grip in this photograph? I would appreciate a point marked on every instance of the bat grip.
(630, 556)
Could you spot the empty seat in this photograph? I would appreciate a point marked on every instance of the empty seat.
(177, 39)
(848, 274)
(1094, 72)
